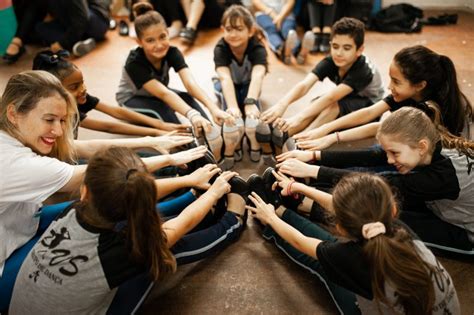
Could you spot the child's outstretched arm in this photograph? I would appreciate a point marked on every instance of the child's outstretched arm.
(197, 92)
(298, 91)
(117, 127)
(357, 118)
(131, 116)
(160, 91)
(266, 214)
(195, 212)
(228, 90)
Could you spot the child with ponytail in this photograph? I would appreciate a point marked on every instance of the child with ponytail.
(433, 177)
(114, 233)
(72, 79)
(417, 75)
(145, 77)
(374, 264)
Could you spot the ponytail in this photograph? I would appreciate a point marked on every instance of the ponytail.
(449, 93)
(121, 189)
(54, 63)
(145, 237)
(364, 207)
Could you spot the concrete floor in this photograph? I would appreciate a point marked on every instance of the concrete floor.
(252, 276)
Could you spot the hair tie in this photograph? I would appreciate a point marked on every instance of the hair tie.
(129, 172)
(373, 229)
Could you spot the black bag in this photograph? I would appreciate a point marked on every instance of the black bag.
(398, 18)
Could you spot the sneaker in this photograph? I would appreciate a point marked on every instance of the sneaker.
(324, 45)
(84, 47)
(188, 35)
(306, 45)
(290, 44)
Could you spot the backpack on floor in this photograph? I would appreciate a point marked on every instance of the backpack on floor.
(398, 18)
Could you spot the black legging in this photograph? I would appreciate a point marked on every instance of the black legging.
(170, 10)
(320, 15)
(28, 14)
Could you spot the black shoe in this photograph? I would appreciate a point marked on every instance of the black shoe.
(256, 185)
(123, 28)
(324, 45)
(11, 59)
(112, 24)
(317, 41)
(273, 196)
(239, 186)
(188, 35)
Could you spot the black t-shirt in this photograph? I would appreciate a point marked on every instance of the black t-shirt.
(394, 105)
(241, 72)
(140, 70)
(358, 77)
(90, 104)
(345, 264)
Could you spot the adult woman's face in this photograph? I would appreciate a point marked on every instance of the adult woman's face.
(42, 126)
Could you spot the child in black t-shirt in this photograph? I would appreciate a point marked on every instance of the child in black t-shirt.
(358, 83)
(375, 264)
(71, 78)
(432, 174)
(418, 75)
(241, 64)
(145, 77)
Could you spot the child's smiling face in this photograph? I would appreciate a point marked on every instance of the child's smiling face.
(74, 83)
(237, 35)
(155, 42)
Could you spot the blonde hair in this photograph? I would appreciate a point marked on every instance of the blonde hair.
(410, 125)
(24, 90)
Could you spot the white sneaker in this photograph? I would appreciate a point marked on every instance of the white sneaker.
(83, 47)
(290, 44)
(306, 45)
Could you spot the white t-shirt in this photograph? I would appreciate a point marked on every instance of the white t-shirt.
(26, 180)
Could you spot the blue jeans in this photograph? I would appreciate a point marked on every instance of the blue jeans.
(277, 37)
(344, 299)
(241, 91)
(194, 246)
(14, 262)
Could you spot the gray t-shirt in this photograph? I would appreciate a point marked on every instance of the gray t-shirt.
(73, 269)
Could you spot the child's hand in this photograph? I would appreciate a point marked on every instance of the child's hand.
(296, 168)
(235, 112)
(318, 144)
(310, 134)
(263, 211)
(221, 117)
(172, 126)
(162, 144)
(251, 111)
(278, 21)
(200, 177)
(200, 122)
(187, 156)
(273, 113)
(304, 156)
(287, 124)
(284, 182)
(221, 186)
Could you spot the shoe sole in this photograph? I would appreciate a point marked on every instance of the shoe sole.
(84, 47)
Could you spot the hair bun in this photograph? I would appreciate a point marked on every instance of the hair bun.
(141, 8)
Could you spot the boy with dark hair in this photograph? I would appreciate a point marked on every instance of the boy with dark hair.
(358, 82)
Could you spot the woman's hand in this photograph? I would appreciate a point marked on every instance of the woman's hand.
(162, 144)
(304, 156)
(261, 210)
(200, 177)
(187, 156)
(273, 113)
(318, 144)
(221, 185)
(296, 168)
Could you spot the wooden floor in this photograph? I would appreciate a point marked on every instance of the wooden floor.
(252, 276)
